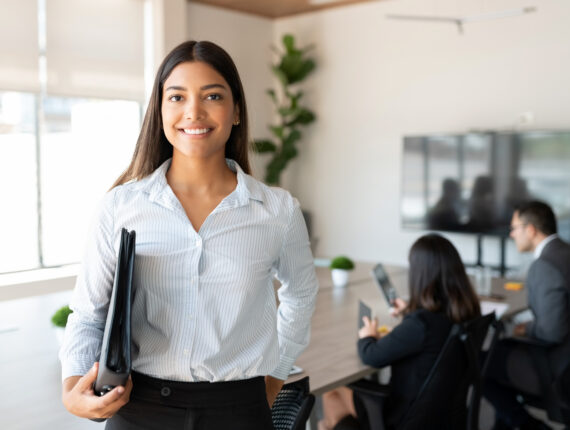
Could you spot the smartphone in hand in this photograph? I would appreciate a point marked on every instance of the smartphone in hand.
(384, 283)
(363, 311)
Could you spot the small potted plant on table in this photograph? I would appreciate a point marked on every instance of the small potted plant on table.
(340, 270)
(59, 320)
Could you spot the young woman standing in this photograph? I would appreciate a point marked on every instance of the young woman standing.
(210, 347)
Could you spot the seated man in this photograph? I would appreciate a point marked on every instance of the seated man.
(511, 371)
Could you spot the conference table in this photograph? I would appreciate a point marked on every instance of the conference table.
(29, 346)
(331, 359)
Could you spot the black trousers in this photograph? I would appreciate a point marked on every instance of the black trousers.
(157, 404)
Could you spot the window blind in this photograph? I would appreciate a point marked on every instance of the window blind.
(19, 45)
(95, 48)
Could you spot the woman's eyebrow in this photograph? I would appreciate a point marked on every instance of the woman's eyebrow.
(210, 86)
(204, 88)
(175, 88)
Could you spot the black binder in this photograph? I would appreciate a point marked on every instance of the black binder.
(115, 360)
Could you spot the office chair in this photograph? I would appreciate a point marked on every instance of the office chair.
(436, 407)
(555, 392)
(293, 406)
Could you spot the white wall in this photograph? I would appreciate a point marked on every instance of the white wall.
(380, 79)
(247, 39)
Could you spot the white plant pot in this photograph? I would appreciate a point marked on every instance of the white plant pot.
(340, 277)
(59, 332)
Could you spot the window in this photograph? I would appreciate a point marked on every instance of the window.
(87, 143)
(71, 91)
(50, 195)
(18, 217)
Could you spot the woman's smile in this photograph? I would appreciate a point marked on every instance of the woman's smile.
(196, 131)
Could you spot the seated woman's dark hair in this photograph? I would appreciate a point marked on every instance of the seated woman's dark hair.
(438, 282)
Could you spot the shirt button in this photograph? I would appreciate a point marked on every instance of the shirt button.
(186, 352)
(165, 391)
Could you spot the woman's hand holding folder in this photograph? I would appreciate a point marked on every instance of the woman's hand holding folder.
(80, 399)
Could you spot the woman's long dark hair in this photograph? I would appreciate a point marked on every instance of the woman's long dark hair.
(438, 282)
(152, 147)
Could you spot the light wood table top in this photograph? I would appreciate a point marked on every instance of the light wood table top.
(331, 359)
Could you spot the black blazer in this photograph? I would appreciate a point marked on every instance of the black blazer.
(548, 286)
(411, 349)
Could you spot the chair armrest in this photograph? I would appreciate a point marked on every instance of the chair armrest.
(371, 388)
(529, 341)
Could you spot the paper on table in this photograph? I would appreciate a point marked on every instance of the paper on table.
(488, 307)
(523, 317)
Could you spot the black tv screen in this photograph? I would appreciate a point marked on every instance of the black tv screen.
(471, 182)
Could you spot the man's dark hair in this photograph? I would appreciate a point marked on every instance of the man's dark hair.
(539, 214)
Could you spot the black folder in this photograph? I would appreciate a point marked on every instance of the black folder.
(115, 360)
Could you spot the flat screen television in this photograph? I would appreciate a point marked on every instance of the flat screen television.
(470, 183)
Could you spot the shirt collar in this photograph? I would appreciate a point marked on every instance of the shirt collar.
(247, 187)
(159, 190)
(540, 247)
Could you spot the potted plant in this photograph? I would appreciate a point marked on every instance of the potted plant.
(59, 320)
(340, 270)
(292, 68)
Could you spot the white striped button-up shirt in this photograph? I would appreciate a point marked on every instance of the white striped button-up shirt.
(204, 305)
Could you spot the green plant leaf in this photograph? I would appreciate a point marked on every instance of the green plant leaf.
(342, 262)
(289, 43)
(287, 111)
(274, 169)
(277, 130)
(272, 95)
(294, 98)
(303, 116)
(281, 75)
(289, 152)
(293, 66)
(305, 69)
(292, 137)
(264, 145)
(59, 318)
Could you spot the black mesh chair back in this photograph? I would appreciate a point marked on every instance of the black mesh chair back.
(293, 406)
(451, 394)
(555, 391)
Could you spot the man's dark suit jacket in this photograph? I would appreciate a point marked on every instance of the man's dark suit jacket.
(548, 285)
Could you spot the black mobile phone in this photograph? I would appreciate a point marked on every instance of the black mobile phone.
(363, 311)
(383, 281)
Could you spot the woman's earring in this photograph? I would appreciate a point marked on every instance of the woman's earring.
(236, 122)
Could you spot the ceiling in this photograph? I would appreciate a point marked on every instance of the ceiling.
(278, 8)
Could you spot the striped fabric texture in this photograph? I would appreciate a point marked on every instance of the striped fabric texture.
(204, 304)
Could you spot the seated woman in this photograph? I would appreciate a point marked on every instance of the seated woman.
(440, 295)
